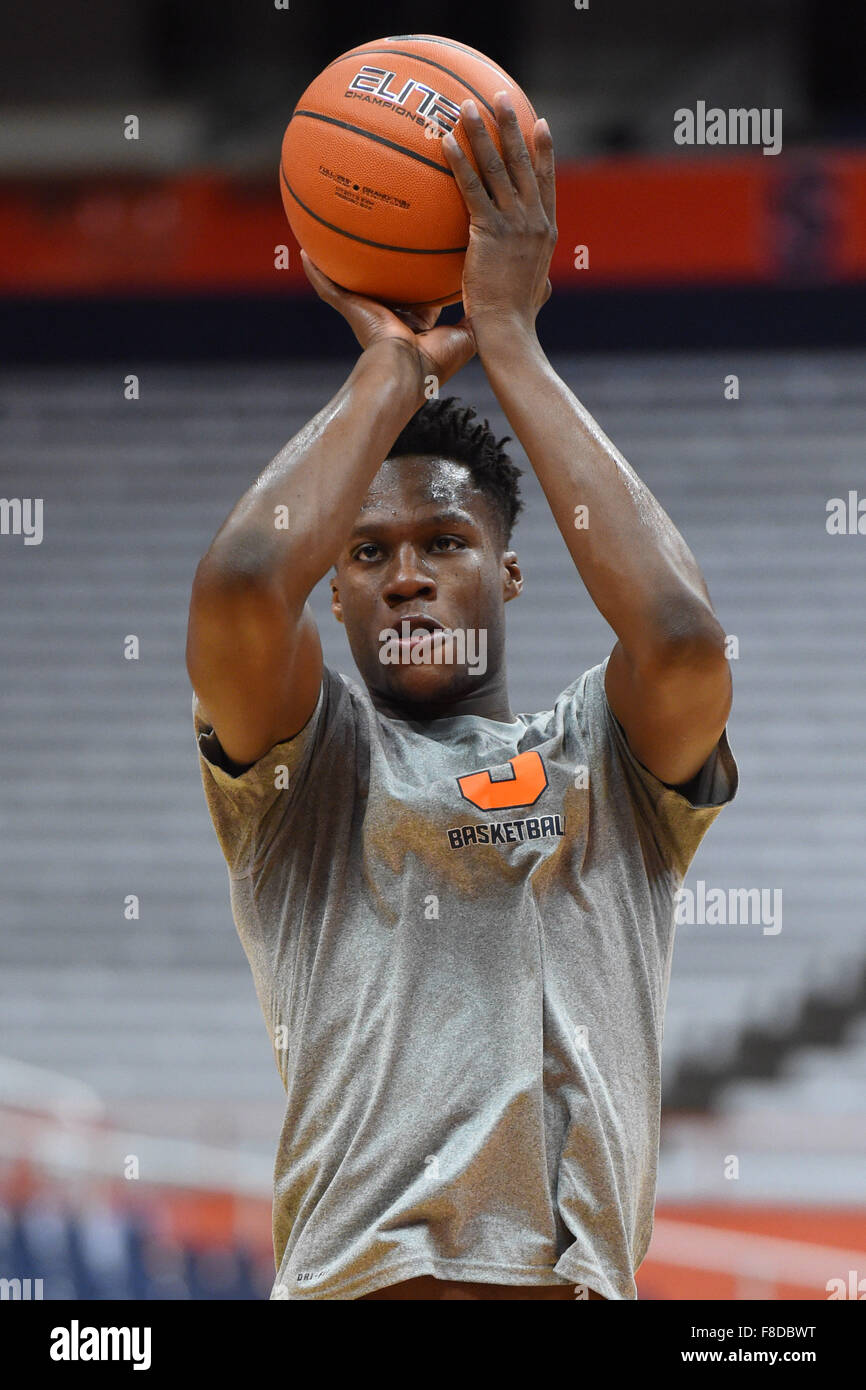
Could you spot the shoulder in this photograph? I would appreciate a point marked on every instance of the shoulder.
(579, 708)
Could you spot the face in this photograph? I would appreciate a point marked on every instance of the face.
(425, 541)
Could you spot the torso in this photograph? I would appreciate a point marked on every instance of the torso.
(426, 1287)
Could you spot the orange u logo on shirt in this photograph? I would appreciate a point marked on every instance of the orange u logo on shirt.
(523, 788)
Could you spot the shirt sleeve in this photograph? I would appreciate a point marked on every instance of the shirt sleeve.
(677, 822)
(247, 809)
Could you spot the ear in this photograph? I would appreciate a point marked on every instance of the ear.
(336, 606)
(513, 579)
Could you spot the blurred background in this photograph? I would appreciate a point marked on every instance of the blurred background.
(717, 336)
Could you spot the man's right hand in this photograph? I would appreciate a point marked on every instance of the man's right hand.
(440, 351)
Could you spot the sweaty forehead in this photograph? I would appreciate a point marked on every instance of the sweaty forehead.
(417, 488)
(419, 479)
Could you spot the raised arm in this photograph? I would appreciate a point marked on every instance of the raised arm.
(253, 651)
(668, 681)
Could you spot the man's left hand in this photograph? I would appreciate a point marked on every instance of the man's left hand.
(512, 212)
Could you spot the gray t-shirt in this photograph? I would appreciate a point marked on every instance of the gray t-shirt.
(460, 934)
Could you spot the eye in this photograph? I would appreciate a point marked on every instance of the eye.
(451, 541)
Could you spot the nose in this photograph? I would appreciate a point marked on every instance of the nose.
(408, 578)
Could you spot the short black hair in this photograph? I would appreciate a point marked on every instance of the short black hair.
(449, 430)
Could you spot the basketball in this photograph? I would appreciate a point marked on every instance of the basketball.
(367, 190)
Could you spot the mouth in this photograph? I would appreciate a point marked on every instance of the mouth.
(418, 627)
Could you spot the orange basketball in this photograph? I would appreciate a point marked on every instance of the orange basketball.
(368, 192)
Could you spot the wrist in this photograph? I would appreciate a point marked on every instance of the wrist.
(498, 335)
(396, 359)
(390, 376)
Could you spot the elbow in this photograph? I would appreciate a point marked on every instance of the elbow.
(236, 560)
(686, 628)
(689, 642)
(688, 670)
(233, 597)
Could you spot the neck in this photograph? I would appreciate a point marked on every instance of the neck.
(491, 702)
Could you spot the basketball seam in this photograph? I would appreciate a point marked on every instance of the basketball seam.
(446, 43)
(401, 53)
(471, 52)
(366, 241)
(380, 139)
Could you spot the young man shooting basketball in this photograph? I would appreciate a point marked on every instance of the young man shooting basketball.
(459, 920)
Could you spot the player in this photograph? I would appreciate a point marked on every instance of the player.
(459, 919)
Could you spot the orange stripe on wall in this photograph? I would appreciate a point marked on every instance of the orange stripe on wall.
(644, 221)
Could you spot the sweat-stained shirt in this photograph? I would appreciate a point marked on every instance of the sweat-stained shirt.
(460, 934)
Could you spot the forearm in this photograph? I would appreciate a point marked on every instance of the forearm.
(636, 566)
(293, 522)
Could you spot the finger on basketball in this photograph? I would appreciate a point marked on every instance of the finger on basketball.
(517, 158)
(467, 179)
(490, 164)
(420, 317)
(545, 170)
(318, 279)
